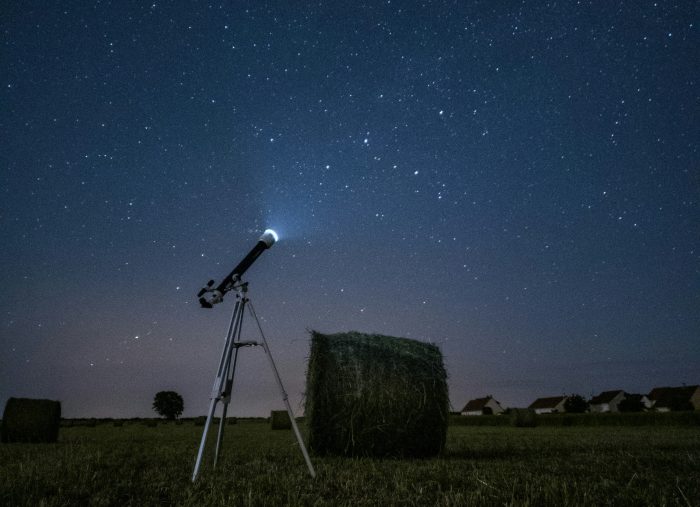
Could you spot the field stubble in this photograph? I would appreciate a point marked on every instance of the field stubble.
(138, 465)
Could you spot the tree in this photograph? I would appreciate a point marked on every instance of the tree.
(576, 404)
(168, 404)
(632, 403)
(680, 402)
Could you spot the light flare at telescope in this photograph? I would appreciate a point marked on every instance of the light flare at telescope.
(268, 238)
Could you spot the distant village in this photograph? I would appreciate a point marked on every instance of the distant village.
(660, 399)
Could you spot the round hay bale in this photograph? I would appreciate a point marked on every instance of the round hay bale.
(279, 420)
(373, 395)
(30, 420)
(523, 418)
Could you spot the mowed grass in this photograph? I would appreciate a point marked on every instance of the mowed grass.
(138, 465)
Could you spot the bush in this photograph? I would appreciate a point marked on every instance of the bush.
(279, 420)
(30, 420)
(523, 418)
(631, 404)
(688, 418)
(479, 420)
(372, 395)
(622, 419)
(576, 404)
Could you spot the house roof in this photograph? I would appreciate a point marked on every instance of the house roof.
(665, 396)
(547, 402)
(477, 404)
(605, 397)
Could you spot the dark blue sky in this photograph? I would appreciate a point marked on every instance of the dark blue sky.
(517, 182)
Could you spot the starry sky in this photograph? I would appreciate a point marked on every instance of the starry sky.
(517, 182)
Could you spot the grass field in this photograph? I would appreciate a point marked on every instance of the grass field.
(139, 465)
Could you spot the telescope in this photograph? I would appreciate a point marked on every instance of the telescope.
(223, 383)
(268, 238)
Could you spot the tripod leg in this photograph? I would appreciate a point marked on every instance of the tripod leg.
(304, 452)
(212, 408)
(229, 373)
(220, 382)
(285, 398)
(220, 436)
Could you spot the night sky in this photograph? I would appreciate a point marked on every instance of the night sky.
(516, 182)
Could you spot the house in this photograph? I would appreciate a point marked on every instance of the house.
(553, 405)
(666, 399)
(607, 401)
(482, 406)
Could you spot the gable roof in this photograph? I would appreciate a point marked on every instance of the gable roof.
(658, 392)
(477, 404)
(547, 402)
(666, 396)
(605, 397)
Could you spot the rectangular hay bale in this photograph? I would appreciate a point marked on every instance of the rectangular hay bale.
(374, 395)
(31, 420)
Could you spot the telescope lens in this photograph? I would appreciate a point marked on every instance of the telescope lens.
(269, 237)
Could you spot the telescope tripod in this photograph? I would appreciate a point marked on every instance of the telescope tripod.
(223, 383)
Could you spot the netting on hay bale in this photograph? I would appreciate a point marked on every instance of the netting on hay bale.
(30, 420)
(373, 395)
